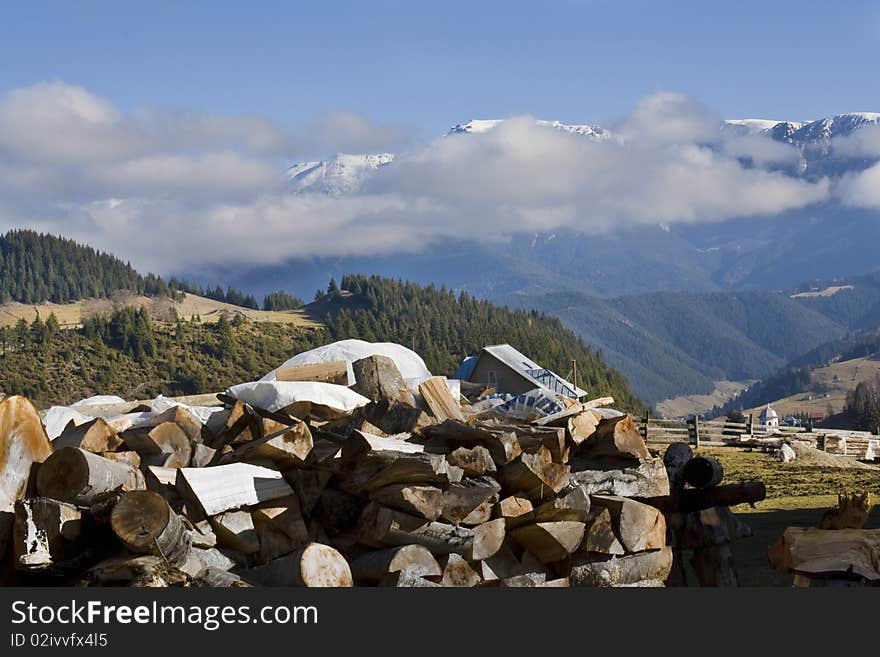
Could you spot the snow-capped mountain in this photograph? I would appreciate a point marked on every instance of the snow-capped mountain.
(342, 174)
(475, 126)
(345, 173)
(804, 133)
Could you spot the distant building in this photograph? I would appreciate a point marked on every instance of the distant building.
(768, 417)
(507, 370)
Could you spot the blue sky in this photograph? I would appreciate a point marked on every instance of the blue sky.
(428, 65)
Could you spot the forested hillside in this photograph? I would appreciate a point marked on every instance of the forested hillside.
(35, 267)
(675, 343)
(130, 354)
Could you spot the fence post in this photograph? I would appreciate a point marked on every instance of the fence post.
(696, 432)
(647, 422)
(750, 424)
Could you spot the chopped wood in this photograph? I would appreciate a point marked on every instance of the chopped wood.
(47, 533)
(377, 378)
(225, 487)
(285, 515)
(94, 436)
(599, 570)
(416, 499)
(445, 437)
(822, 552)
(396, 417)
(288, 447)
(618, 436)
(487, 539)
(384, 527)
(638, 526)
(624, 477)
(308, 484)
(458, 573)
(145, 524)
(202, 455)
(315, 566)
(235, 530)
(74, 475)
(475, 462)
(378, 469)
(536, 476)
(334, 371)
(373, 566)
(361, 442)
(439, 399)
(23, 442)
(165, 444)
(131, 458)
(216, 578)
(514, 510)
(571, 505)
(470, 502)
(600, 536)
(582, 426)
(550, 541)
(407, 578)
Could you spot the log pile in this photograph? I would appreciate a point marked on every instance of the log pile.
(414, 489)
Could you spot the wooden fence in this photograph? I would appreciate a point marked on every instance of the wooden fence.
(707, 432)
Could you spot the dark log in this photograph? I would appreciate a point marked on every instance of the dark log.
(703, 472)
(747, 492)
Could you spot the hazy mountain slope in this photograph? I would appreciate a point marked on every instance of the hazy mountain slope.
(668, 344)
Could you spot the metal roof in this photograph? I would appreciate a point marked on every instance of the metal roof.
(521, 363)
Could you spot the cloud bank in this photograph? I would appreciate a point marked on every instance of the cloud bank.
(172, 191)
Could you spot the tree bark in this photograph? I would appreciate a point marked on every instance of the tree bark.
(80, 477)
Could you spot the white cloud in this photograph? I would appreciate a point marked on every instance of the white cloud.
(861, 189)
(171, 191)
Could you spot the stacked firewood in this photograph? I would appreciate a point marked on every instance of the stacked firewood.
(409, 490)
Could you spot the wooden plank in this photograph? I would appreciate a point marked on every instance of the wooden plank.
(335, 371)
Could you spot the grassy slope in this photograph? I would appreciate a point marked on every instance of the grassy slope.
(71, 314)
